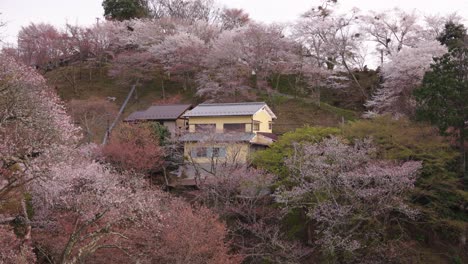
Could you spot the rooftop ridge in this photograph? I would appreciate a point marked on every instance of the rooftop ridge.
(168, 104)
(224, 104)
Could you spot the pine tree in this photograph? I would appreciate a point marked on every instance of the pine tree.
(443, 97)
(125, 9)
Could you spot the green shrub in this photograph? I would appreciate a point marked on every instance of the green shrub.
(272, 159)
(160, 132)
(438, 190)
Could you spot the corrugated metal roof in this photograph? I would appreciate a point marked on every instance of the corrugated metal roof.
(269, 135)
(228, 109)
(217, 137)
(159, 112)
(134, 116)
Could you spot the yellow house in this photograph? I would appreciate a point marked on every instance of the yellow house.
(227, 132)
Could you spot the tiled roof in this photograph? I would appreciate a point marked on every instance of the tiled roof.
(217, 137)
(228, 109)
(272, 136)
(135, 116)
(159, 112)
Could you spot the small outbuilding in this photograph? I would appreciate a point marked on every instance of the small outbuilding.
(171, 116)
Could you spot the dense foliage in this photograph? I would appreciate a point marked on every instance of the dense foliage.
(438, 189)
(125, 9)
(380, 190)
(272, 159)
(442, 96)
(133, 147)
(77, 208)
(352, 199)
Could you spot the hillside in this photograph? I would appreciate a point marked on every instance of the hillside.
(338, 137)
(292, 112)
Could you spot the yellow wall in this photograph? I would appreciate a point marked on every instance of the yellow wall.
(220, 121)
(264, 119)
(235, 152)
(262, 116)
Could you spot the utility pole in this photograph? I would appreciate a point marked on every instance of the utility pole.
(122, 108)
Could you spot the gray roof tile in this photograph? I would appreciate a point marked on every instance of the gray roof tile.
(159, 112)
(228, 109)
(217, 137)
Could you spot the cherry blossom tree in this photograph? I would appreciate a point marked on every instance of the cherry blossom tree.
(331, 38)
(392, 30)
(79, 40)
(243, 196)
(66, 202)
(434, 24)
(233, 18)
(12, 249)
(33, 129)
(33, 123)
(134, 147)
(181, 55)
(402, 74)
(40, 44)
(132, 67)
(303, 75)
(350, 196)
(103, 38)
(2, 23)
(81, 207)
(242, 58)
(138, 34)
(205, 31)
(189, 10)
(194, 235)
(86, 211)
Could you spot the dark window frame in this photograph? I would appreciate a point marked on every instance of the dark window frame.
(256, 125)
(240, 127)
(218, 152)
(208, 152)
(199, 152)
(210, 128)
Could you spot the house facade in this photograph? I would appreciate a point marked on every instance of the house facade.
(227, 132)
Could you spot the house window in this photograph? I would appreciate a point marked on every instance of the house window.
(219, 152)
(200, 152)
(204, 152)
(270, 125)
(234, 127)
(210, 128)
(256, 126)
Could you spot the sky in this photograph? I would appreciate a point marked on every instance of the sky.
(17, 13)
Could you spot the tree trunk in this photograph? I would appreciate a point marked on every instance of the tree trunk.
(165, 176)
(27, 236)
(278, 81)
(354, 77)
(330, 62)
(80, 71)
(463, 155)
(90, 74)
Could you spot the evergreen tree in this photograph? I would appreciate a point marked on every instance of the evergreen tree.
(125, 9)
(453, 36)
(443, 97)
